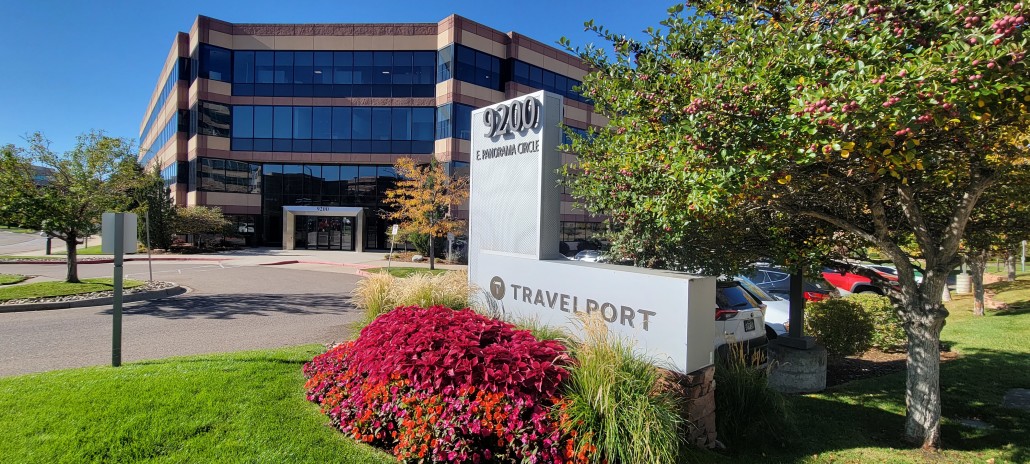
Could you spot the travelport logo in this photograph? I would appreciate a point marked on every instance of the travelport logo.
(497, 288)
(612, 313)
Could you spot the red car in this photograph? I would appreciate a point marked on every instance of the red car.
(849, 282)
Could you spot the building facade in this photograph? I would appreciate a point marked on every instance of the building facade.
(297, 121)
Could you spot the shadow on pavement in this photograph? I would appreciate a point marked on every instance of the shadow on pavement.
(230, 306)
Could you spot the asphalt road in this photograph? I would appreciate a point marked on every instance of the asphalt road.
(227, 309)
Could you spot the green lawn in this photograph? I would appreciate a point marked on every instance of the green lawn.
(862, 421)
(61, 288)
(90, 250)
(18, 230)
(398, 271)
(8, 279)
(239, 407)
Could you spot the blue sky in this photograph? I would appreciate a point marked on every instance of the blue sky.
(70, 66)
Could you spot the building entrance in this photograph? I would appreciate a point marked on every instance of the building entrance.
(324, 233)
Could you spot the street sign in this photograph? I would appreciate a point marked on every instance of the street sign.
(394, 230)
(128, 233)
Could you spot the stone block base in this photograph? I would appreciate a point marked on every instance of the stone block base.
(797, 370)
(697, 390)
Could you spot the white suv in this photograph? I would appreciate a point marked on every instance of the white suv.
(739, 320)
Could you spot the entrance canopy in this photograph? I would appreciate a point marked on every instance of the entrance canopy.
(291, 212)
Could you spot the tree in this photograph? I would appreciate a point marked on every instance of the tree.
(196, 220)
(154, 202)
(885, 121)
(1000, 222)
(423, 197)
(92, 178)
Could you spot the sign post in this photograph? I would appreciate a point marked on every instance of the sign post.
(118, 233)
(393, 239)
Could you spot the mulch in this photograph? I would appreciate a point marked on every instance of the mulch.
(873, 363)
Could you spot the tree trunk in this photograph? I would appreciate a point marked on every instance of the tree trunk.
(978, 265)
(73, 266)
(432, 252)
(924, 317)
(1010, 265)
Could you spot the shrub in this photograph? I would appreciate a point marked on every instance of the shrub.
(888, 333)
(443, 385)
(749, 413)
(841, 325)
(614, 403)
(421, 244)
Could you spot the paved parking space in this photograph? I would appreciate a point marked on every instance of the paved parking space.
(228, 308)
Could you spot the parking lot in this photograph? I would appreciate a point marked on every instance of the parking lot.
(228, 308)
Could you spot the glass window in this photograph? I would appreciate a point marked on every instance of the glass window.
(213, 119)
(463, 121)
(401, 124)
(243, 68)
(243, 121)
(215, 63)
(323, 68)
(521, 71)
(341, 123)
(264, 67)
(423, 64)
(293, 177)
(361, 129)
(303, 68)
(283, 67)
(302, 122)
(465, 68)
(366, 184)
(402, 68)
(331, 179)
(343, 67)
(536, 77)
(422, 123)
(443, 121)
(262, 122)
(363, 67)
(283, 126)
(445, 63)
(382, 67)
(321, 122)
(381, 118)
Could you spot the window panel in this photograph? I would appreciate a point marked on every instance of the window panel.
(341, 123)
(215, 63)
(283, 125)
(243, 121)
(243, 68)
(303, 68)
(361, 127)
(343, 68)
(213, 119)
(323, 68)
(321, 123)
(401, 71)
(262, 122)
(401, 124)
(445, 63)
(283, 67)
(302, 123)
(381, 118)
(422, 123)
(443, 121)
(264, 67)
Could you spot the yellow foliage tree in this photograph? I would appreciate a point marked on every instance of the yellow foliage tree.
(423, 198)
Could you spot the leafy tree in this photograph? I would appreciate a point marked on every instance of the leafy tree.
(881, 122)
(154, 202)
(94, 177)
(423, 197)
(1000, 222)
(197, 220)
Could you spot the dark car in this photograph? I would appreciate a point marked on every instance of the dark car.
(776, 280)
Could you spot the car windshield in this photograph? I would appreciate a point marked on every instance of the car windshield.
(755, 289)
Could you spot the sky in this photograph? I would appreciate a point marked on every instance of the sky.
(72, 66)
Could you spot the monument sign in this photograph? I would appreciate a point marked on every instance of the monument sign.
(514, 232)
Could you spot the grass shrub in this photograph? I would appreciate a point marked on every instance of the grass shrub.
(379, 293)
(613, 400)
(841, 325)
(748, 412)
(888, 333)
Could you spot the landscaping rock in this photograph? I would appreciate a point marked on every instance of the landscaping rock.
(417, 258)
(147, 287)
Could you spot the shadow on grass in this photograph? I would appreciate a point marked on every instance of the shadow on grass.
(231, 306)
(1013, 309)
(870, 413)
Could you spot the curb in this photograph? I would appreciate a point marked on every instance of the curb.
(324, 263)
(111, 260)
(151, 295)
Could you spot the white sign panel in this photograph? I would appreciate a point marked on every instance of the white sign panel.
(128, 233)
(514, 231)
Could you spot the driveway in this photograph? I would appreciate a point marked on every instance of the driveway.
(228, 309)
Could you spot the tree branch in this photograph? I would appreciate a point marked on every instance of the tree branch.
(914, 215)
(960, 215)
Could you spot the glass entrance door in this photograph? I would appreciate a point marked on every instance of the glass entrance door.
(324, 233)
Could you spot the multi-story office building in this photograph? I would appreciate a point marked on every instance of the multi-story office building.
(298, 125)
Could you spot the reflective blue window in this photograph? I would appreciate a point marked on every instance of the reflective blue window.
(215, 63)
(341, 123)
(243, 121)
(283, 67)
(321, 122)
(539, 78)
(243, 68)
(470, 65)
(263, 122)
(454, 120)
(361, 128)
(445, 63)
(422, 124)
(264, 63)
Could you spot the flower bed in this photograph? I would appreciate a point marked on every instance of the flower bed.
(442, 385)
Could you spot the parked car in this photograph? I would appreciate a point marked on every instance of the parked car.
(738, 321)
(892, 271)
(848, 282)
(592, 256)
(776, 281)
(777, 310)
